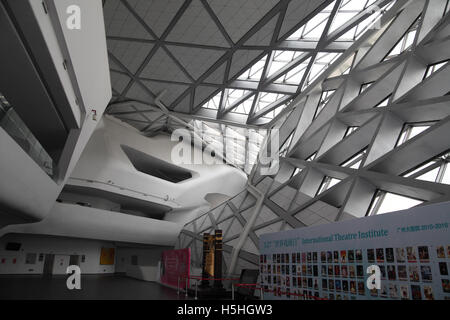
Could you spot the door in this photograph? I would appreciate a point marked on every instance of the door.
(60, 264)
(48, 265)
(74, 260)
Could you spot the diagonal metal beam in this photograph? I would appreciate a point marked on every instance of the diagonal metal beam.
(217, 22)
(275, 10)
(159, 41)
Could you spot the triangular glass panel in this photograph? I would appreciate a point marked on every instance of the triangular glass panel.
(365, 86)
(350, 130)
(281, 58)
(254, 73)
(405, 42)
(285, 147)
(410, 130)
(245, 106)
(273, 113)
(327, 183)
(347, 10)
(233, 95)
(321, 63)
(383, 103)
(214, 102)
(432, 68)
(295, 75)
(267, 98)
(324, 98)
(313, 28)
(355, 161)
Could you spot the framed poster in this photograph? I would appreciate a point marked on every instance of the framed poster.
(107, 256)
(176, 265)
(410, 247)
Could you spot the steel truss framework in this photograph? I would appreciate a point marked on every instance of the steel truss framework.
(188, 57)
(367, 152)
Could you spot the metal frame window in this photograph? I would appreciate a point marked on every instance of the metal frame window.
(432, 68)
(327, 183)
(324, 98)
(355, 161)
(434, 170)
(410, 130)
(384, 202)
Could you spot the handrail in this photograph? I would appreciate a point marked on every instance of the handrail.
(18, 130)
(124, 188)
(262, 290)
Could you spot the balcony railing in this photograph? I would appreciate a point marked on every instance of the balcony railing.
(11, 122)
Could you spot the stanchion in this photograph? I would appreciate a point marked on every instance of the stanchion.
(196, 289)
(187, 279)
(262, 293)
(232, 291)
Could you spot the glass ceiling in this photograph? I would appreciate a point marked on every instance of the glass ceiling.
(298, 68)
(263, 81)
(239, 146)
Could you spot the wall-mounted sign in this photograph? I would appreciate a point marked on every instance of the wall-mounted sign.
(411, 248)
(107, 256)
(176, 265)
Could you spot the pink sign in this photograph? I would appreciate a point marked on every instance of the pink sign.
(176, 265)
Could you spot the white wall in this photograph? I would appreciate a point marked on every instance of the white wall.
(145, 256)
(25, 188)
(69, 220)
(51, 245)
(105, 163)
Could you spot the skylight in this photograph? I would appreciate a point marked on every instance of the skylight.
(432, 68)
(347, 10)
(267, 98)
(273, 113)
(321, 63)
(355, 161)
(281, 58)
(295, 172)
(239, 146)
(254, 73)
(214, 102)
(289, 68)
(244, 107)
(350, 130)
(313, 29)
(312, 157)
(410, 130)
(404, 43)
(295, 75)
(357, 31)
(383, 103)
(435, 170)
(327, 183)
(285, 147)
(365, 86)
(384, 202)
(234, 95)
(324, 98)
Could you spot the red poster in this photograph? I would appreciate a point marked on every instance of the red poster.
(175, 265)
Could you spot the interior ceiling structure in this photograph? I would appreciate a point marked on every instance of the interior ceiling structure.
(369, 136)
(232, 64)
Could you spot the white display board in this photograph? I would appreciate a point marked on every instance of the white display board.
(411, 247)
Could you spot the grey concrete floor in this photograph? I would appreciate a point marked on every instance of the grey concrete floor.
(93, 287)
